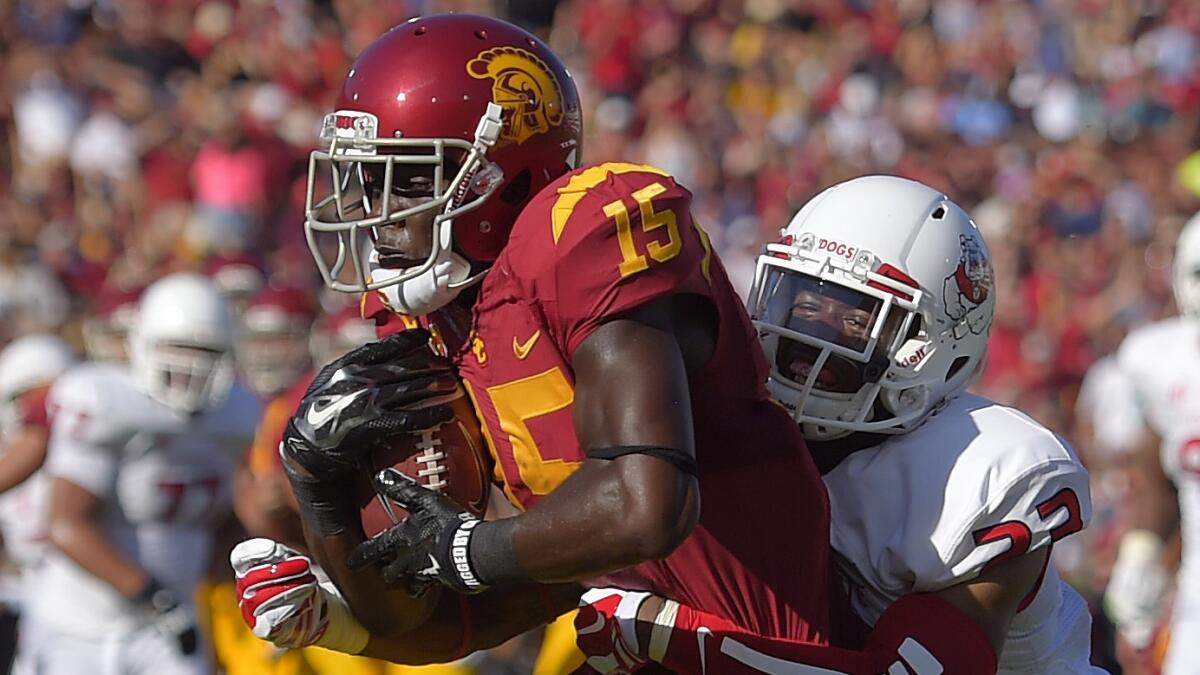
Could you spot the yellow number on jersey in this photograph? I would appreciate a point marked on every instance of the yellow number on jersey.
(633, 262)
(516, 403)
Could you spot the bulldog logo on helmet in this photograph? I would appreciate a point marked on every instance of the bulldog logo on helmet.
(966, 290)
(525, 87)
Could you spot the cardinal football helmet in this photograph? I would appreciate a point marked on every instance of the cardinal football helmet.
(339, 332)
(181, 344)
(874, 308)
(273, 344)
(484, 107)
(1186, 271)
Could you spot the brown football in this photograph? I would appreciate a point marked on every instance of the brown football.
(451, 459)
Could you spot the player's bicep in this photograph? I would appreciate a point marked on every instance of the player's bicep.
(71, 502)
(631, 387)
(994, 597)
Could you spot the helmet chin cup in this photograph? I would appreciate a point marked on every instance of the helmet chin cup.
(428, 291)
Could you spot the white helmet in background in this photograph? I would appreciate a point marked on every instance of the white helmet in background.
(1186, 282)
(181, 343)
(874, 308)
(28, 362)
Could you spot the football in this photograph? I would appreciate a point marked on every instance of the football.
(451, 459)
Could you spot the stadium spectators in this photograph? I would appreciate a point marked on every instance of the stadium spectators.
(148, 136)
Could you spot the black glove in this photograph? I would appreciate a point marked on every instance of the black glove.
(432, 545)
(358, 402)
(164, 611)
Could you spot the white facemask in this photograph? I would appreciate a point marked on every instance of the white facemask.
(428, 292)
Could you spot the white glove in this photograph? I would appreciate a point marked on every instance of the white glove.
(605, 630)
(283, 603)
(1135, 588)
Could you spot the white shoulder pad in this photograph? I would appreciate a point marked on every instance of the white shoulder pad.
(1143, 354)
(89, 404)
(977, 483)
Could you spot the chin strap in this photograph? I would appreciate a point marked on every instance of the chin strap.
(429, 291)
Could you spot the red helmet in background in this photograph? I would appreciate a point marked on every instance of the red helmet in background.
(338, 332)
(273, 342)
(485, 105)
(106, 327)
(238, 277)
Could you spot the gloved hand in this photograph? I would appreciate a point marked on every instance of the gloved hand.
(282, 601)
(1135, 590)
(605, 630)
(169, 616)
(356, 403)
(431, 545)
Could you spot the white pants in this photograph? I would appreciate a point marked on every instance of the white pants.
(1183, 655)
(140, 651)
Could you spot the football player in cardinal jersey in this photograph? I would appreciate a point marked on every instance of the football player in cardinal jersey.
(273, 341)
(28, 367)
(1161, 361)
(614, 369)
(874, 311)
(140, 464)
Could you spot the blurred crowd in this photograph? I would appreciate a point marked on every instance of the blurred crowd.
(148, 136)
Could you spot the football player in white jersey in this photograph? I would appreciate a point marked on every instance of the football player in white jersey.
(874, 311)
(28, 367)
(140, 462)
(1161, 361)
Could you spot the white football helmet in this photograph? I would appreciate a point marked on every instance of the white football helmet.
(874, 308)
(28, 362)
(181, 344)
(1186, 271)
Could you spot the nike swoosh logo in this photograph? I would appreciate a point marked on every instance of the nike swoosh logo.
(319, 414)
(433, 568)
(702, 633)
(522, 350)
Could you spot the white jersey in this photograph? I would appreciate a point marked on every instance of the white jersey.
(1162, 360)
(165, 479)
(976, 484)
(1162, 363)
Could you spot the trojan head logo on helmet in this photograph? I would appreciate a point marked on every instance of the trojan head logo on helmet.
(874, 308)
(524, 87)
(478, 110)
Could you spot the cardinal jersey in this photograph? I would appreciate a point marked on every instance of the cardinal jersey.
(164, 478)
(977, 484)
(598, 242)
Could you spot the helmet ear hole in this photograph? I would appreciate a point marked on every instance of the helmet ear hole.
(517, 190)
(956, 366)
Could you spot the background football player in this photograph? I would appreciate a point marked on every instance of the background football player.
(141, 460)
(274, 330)
(28, 367)
(1161, 361)
(875, 310)
(614, 368)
